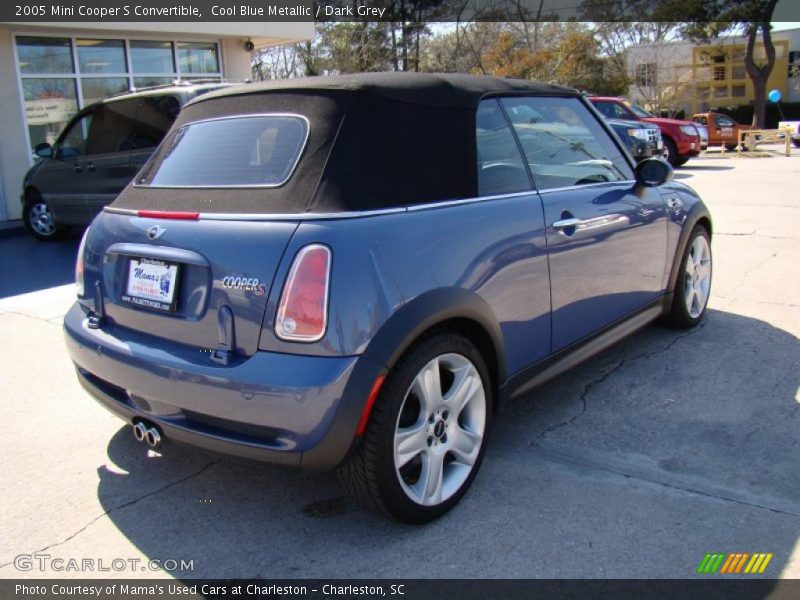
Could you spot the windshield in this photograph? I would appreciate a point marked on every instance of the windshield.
(242, 151)
(640, 112)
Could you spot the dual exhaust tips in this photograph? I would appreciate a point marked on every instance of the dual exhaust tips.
(143, 433)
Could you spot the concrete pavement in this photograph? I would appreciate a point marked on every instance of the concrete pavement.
(667, 446)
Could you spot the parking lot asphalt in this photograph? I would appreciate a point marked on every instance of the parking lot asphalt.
(666, 447)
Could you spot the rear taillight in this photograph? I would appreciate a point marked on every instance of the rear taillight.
(303, 309)
(79, 288)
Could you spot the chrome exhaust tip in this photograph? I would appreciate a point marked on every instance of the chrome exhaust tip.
(153, 437)
(139, 431)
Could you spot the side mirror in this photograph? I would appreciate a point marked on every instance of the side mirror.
(43, 150)
(653, 172)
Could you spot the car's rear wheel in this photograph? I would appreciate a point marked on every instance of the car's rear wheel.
(427, 432)
(39, 220)
(796, 143)
(693, 285)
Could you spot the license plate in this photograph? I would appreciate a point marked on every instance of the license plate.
(152, 283)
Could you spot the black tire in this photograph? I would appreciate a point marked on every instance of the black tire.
(679, 315)
(369, 475)
(33, 207)
(731, 147)
(796, 143)
(681, 161)
(672, 153)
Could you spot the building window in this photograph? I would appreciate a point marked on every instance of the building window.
(646, 74)
(197, 58)
(44, 55)
(794, 63)
(61, 75)
(101, 56)
(719, 73)
(721, 91)
(703, 93)
(49, 103)
(738, 72)
(737, 91)
(152, 57)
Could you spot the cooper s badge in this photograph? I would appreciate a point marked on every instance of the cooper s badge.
(244, 283)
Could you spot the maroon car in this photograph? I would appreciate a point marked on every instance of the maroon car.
(681, 138)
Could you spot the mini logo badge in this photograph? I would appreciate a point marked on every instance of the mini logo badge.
(155, 232)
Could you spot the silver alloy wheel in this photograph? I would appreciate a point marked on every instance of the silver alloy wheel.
(439, 430)
(41, 219)
(698, 277)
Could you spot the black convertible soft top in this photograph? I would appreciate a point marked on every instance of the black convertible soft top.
(376, 140)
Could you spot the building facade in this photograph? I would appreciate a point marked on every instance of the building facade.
(692, 77)
(50, 71)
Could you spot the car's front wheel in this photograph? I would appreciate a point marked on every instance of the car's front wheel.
(673, 157)
(693, 285)
(427, 432)
(39, 220)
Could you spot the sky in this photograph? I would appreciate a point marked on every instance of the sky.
(785, 25)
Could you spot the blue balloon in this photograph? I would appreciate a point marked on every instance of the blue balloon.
(774, 96)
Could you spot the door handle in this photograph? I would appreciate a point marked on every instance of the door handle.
(90, 166)
(566, 223)
(77, 168)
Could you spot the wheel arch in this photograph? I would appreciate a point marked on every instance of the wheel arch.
(455, 309)
(31, 192)
(697, 215)
(705, 221)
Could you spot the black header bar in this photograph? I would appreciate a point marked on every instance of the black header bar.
(76, 11)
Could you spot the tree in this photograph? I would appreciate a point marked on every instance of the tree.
(565, 53)
(356, 47)
(711, 20)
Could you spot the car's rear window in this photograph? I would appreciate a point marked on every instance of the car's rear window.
(242, 151)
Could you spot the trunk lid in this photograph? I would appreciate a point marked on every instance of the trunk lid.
(213, 277)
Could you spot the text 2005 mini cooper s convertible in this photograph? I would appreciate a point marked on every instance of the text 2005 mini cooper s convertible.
(356, 271)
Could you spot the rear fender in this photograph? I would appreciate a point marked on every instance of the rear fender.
(425, 312)
(395, 336)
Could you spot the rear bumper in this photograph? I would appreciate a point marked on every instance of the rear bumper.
(293, 410)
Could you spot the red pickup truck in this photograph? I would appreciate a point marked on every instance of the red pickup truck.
(681, 138)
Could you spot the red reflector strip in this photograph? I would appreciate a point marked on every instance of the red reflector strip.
(167, 214)
(376, 388)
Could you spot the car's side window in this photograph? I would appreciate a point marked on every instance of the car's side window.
(606, 109)
(112, 127)
(73, 142)
(612, 110)
(564, 144)
(154, 117)
(501, 169)
(723, 122)
(700, 120)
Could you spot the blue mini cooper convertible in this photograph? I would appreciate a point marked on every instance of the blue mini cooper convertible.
(355, 272)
